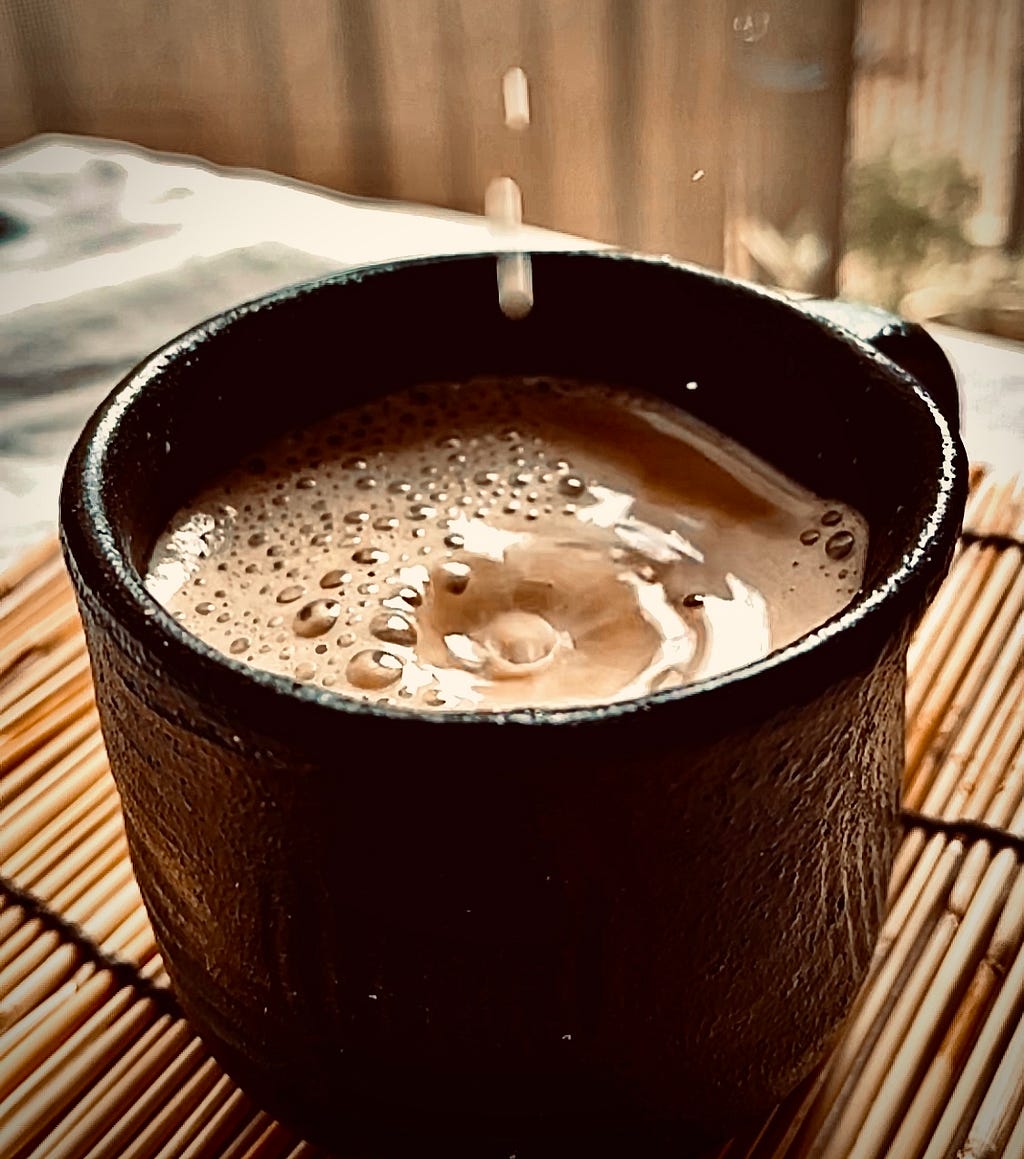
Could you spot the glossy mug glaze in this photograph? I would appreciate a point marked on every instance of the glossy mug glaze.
(394, 926)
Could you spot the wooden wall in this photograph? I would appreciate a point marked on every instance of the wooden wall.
(401, 98)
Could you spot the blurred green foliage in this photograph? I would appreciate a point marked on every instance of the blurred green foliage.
(904, 212)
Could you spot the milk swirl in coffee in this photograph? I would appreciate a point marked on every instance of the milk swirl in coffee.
(505, 543)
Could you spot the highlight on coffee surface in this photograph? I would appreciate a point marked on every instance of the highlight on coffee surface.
(503, 543)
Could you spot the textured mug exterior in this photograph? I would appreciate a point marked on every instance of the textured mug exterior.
(657, 911)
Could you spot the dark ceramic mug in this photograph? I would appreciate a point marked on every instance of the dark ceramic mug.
(518, 923)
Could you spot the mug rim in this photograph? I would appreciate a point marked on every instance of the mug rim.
(93, 550)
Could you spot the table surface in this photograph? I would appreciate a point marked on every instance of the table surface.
(108, 250)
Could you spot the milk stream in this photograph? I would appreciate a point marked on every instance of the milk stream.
(503, 208)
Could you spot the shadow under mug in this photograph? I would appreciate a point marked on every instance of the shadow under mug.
(388, 925)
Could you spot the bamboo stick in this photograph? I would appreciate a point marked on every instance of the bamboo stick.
(1015, 825)
(1008, 790)
(29, 561)
(57, 677)
(12, 916)
(273, 1143)
(35, 589)
(878, 1097)
(916, 875)
(929, 650)
(990, 711)
(136, 924)
(75, 732)
(47, 959)
(775, 1142)
(74, 702)
(43, 966)
(972, 772)
(90, 884)
(916, 951)
(814, 1115)
(304, 1150)
(43, 706)
(1016, 529)
(26, 619)
(919, 1121)
(51, 869)
(77, 900)
(57, 1081)
(1015, 1144)
(50, 668)
(983, 492)
(14, 1034)
(176, 1072)
(1001, 514)
(46, 767)
(78, 848)
(238, 1148)
(49, 780)
(163, 1122)
(121, 906)
(194, 1123)
(978, 640)
(215, 1134)
(93, 988)
(39, 705)
(912, 849)
(925, 660)
(113, 906)
(100, 1106)
(1011, 522)
(930, 645)
(101, 890)
(142, 950)
(1004, 1101)
(84, 790)
(154, 971)
(61, 624)
(938, 612)
(993, 573)
(18, 942)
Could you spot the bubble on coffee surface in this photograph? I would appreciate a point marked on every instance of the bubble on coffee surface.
(316, 618)
(505, 543)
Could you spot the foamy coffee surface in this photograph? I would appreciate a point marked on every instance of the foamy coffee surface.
(503, 543)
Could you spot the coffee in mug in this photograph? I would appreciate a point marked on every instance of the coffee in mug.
(506, 542)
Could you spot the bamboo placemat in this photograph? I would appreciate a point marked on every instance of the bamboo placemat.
(95, 1059)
